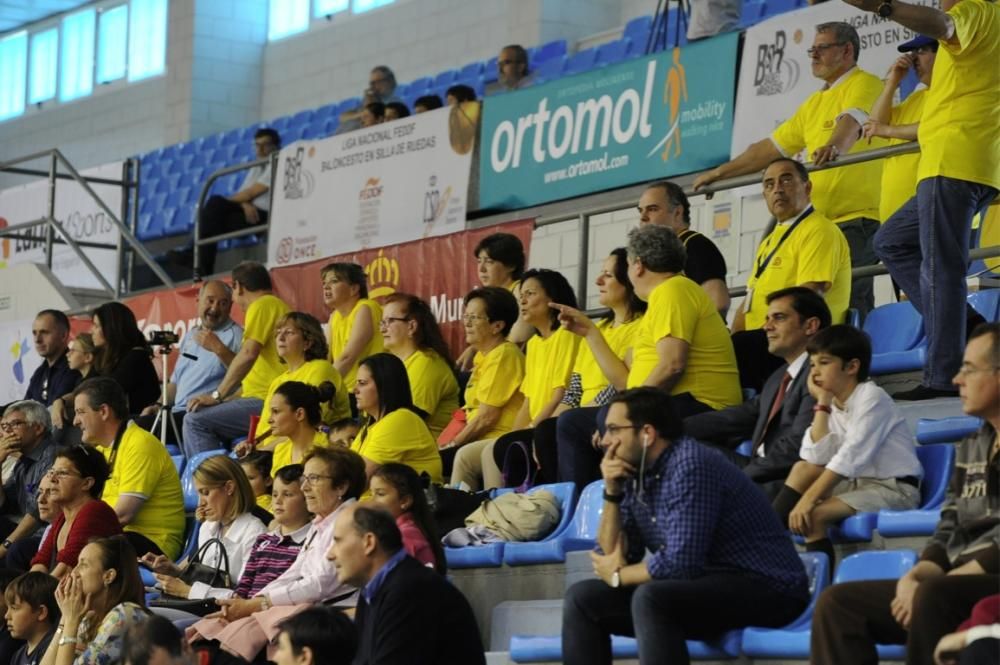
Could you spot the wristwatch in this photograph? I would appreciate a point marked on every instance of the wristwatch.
(216, 395)
(7, 543)
(613, 498)
(616, 579)
(884, 9)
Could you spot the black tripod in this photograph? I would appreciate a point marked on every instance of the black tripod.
(658, 39)
(164, 415)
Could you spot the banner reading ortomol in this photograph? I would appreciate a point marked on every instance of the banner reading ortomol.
(647, 118)
(386, 184)
(776, 76)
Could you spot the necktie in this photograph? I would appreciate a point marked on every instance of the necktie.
(779, 399)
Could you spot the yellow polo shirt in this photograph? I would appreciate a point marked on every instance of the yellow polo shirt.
(848, 192)
(620, 340)
(283, 452)
(143, 468)
(340, 332)
(816, 252)
(960, 129)
(680, 308)
(401, 436)
(314, 373)
(899, 174)
(496, 381)
(548, 364)
(434, 387)
(261, 321)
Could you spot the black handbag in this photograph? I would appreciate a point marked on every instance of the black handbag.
(214, 576)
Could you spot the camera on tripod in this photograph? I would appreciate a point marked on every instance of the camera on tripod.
(163, 338)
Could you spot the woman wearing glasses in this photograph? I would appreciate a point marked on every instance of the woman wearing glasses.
(332, 478)
(77, 475)
(493, 393)
(411, 333)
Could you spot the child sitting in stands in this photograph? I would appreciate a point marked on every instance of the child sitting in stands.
(858, 455)
(397, 488)
(343, 432)
(32, 615)
(257, 467)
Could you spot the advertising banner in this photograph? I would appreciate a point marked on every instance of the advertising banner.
(648, 118)
(80, 215)
(373, 187)
(18, 361)
(439, 270)
(776, 74)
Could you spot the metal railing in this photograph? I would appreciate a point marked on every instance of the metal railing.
(271, 159)
(54, 227)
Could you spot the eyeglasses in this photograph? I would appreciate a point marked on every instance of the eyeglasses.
(614, 429)
(59, 474)
(11, 424)
(311, 478)
(389, 320)
(820, 48)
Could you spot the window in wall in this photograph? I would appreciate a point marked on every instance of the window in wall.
(112, 30)
(43, 66)
(322, 8)
(13, 64)
(287, 17)
(76, 60)
(147, 43)
(367, 5)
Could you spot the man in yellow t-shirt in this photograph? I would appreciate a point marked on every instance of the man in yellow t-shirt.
(213, 421)
(804, 249)
(899, 123)
(143, 488)
(925, 244)
(828, 125)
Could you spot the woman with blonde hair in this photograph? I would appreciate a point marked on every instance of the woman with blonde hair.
(225, 504)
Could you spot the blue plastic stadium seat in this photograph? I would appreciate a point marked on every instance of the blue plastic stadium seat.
(946, 430)
(638, 30)
(179, 221)
(548, 51)
(178, 463)
(302, 118)
(987, 303)
(420, 85)
(550, 70)
(581, 61)
(898, 341)
(875, 565)
(187, 148)
(492, 555)
(745, 448)
(150, 226)
(536, 649)
(445, 78)
(853, 317)
(187, 477)
(574, 531)
(231, 137)
(190, 547)
(490, 72)
(938, 461)
(151, 203)
(775, 7)
(612, 52)
(752, 12)
(472, 70)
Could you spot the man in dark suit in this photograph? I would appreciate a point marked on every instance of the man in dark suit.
(407, 614)
(776, 419)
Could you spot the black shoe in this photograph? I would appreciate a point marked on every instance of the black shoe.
(923, 392)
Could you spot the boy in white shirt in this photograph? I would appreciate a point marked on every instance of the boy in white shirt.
(858, 455)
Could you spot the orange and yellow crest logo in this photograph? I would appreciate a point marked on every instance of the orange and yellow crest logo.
(383, 276)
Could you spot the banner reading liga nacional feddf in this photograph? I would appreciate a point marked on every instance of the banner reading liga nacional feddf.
(390, 183)
(647, 118)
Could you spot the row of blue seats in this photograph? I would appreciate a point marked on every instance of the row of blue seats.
(897, 332)
(789, 642)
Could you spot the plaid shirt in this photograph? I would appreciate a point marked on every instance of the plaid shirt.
(698, 514)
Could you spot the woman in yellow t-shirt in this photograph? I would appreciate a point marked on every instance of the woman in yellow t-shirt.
(548, 364)
(294, 417)
(411, 333)
(393, 429)
(354, 319)
(493, 393)
(602, 364)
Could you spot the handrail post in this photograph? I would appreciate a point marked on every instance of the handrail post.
(51, 210)
(582, 259)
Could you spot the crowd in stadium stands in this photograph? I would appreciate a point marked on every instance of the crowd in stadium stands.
(319, 517)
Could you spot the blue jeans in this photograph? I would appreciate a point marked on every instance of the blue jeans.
(860, 234)
(925, 246)
(213, 427)
(663, 614)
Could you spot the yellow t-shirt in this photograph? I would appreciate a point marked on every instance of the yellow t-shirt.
(264, 501)
(960, 129)
(816, 252)
(620, 339)
(340, 332)
(848, 192)
(434, 388)
(496, 381)
(261, 321)
(143, 468)
(401, 436)
(899, 174)
(680, 308)
(547, 366)
(313, 373)
(283, 452)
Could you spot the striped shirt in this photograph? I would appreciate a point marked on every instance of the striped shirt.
(270, 556)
